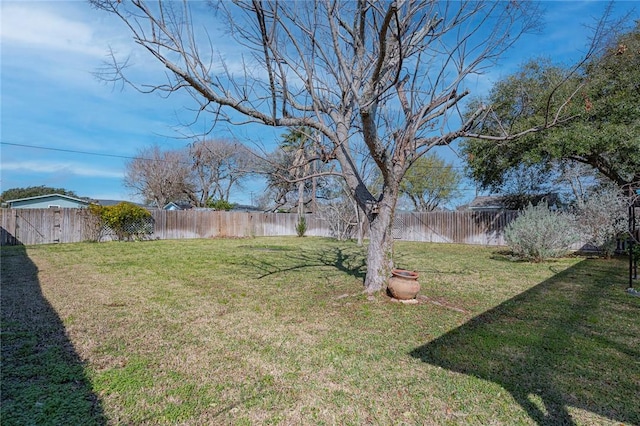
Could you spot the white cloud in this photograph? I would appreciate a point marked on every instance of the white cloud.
(56, 44)
(30, 26)
(70, 168)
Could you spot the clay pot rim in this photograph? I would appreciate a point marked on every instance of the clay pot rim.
(404, 273)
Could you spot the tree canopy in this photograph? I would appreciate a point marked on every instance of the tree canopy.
(292, 170)
(604, 127)
(430, 182)
(159, 176)
(206, 170)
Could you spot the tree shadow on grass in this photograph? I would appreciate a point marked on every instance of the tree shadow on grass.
(42, 380)
(350, 261)
(571, 341)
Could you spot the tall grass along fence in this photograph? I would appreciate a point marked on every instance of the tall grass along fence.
(44, 226)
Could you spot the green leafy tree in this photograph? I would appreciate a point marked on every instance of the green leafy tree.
(299, 142)
(217, 204)
(603, 129)
(430, 182)
(293, 169)
(34, 191)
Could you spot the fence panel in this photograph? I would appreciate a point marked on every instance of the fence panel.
(468, 227)
(29, 226)
(42, 226)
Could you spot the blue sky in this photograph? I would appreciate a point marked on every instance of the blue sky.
(51, 99)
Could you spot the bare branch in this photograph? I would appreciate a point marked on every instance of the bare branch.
(382, 80)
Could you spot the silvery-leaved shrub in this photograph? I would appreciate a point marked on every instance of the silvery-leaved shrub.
(602, 218)
(539, 233)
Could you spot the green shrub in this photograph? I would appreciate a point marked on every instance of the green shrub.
(126, 220)
(301, 226)
(219, 204)
(539, 233)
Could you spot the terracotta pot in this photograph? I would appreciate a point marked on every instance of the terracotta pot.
(403, 284)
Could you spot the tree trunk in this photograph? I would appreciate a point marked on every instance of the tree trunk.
(359, 224)
(314, 188)
(300, 198)
(380, 251)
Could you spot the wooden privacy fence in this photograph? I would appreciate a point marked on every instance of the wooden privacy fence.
(468, 227)
(44, 226)
(179, 224)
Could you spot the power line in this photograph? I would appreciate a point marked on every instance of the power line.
(126, 157)
(97, 154)
(73, 151)
(68, 150)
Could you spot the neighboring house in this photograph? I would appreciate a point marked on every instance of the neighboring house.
(245, 208)
(485, 203)
(185, 205)
(178, 205)
(58, 201)
(48, 201)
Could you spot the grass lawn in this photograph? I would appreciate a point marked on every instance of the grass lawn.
(278, 331)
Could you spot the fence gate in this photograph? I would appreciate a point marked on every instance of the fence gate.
(28, 227)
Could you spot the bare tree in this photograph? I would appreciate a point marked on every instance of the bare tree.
(579, 180)
(280, 190)
(603, 217)
(340, 212)
(159, 176)
(218, 166)
(386, 75)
